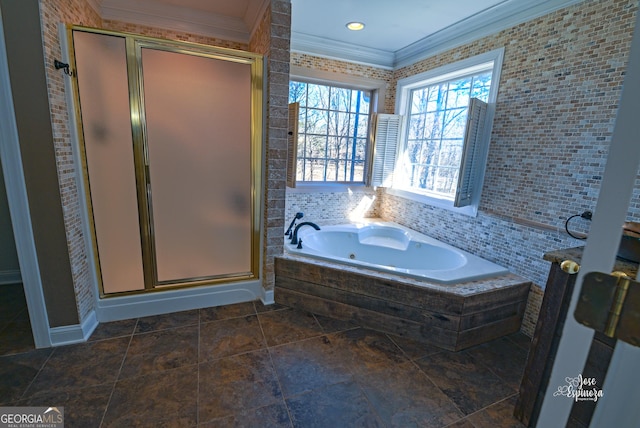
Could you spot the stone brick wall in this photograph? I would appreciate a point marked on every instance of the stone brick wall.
(271, 38)
(332, 207)
(162, 33)
(53, 12)
(343, 67)
(561, 82)
(559, 90)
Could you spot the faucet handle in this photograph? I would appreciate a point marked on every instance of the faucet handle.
(299, 244)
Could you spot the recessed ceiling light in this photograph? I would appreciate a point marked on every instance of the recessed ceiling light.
(355, 26)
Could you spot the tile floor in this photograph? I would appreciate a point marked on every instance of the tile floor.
(15, 327)
(248, 365)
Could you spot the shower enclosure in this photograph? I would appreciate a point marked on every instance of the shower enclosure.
(171, 142)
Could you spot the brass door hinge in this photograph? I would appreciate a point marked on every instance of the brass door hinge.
(610, 304)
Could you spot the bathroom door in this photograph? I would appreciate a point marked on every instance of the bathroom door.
(618, 406)
(171, 142)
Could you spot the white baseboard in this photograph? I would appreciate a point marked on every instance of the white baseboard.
(142, 305)
(267, 297)
(127, 307)
(76, 333)
(10, 277)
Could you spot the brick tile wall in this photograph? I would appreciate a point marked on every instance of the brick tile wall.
(560, 85)
(162, 33)
(342, 67)
(53, 12)
(331, 207)
(271, 38)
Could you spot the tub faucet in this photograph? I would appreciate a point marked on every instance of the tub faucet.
(294, 235)
(297, 217)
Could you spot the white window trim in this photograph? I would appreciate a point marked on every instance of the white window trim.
(378, 89)
(448, 72)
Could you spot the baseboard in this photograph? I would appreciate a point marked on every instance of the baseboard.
(142, 305)
(128, 307)
(10, 277)
(76, 333)
(267, 297)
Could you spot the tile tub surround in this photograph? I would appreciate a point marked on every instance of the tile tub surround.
(452, 317)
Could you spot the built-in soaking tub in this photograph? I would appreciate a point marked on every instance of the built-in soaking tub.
(392, 248)
(386, 277)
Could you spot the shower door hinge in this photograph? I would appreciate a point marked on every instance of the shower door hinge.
(610, 304)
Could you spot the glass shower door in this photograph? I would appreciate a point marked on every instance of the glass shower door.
(198, 128)
(171, 142)
(101, 71)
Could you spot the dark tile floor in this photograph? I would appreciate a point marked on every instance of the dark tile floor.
(248, 365)
(15, 327)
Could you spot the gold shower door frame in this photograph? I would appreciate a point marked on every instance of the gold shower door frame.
(135, 46)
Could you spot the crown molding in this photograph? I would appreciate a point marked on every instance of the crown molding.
(489, 21)
(332, 49)
(504, 15)
(175, 18)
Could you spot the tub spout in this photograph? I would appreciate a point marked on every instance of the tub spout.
(294, 235)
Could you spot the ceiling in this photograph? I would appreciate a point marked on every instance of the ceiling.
(396, 33)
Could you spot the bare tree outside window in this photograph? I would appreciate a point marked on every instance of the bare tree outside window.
(435, 132)
(333, 131)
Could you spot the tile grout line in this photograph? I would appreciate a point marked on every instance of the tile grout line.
(466, 417)
(273, 367)
(366, 397)
(453, 403)
(417, 366)
(207, 360)
(306, 339)
(509, 337)
(37, 374)
(115, 382)
(490, 369)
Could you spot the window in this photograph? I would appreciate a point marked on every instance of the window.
(436, 123)
(443, 149)
(333, 132)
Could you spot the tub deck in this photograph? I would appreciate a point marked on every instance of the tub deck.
(452, 317)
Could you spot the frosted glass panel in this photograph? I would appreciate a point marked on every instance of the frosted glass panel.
(198, 113)
(104, 100)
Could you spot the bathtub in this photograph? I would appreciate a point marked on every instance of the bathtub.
(389, 247)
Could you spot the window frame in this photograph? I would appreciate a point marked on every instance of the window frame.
(378, 93)
(489, 61)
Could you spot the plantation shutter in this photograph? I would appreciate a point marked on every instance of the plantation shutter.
(292, 144)
(386, 139)
(471, 151)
